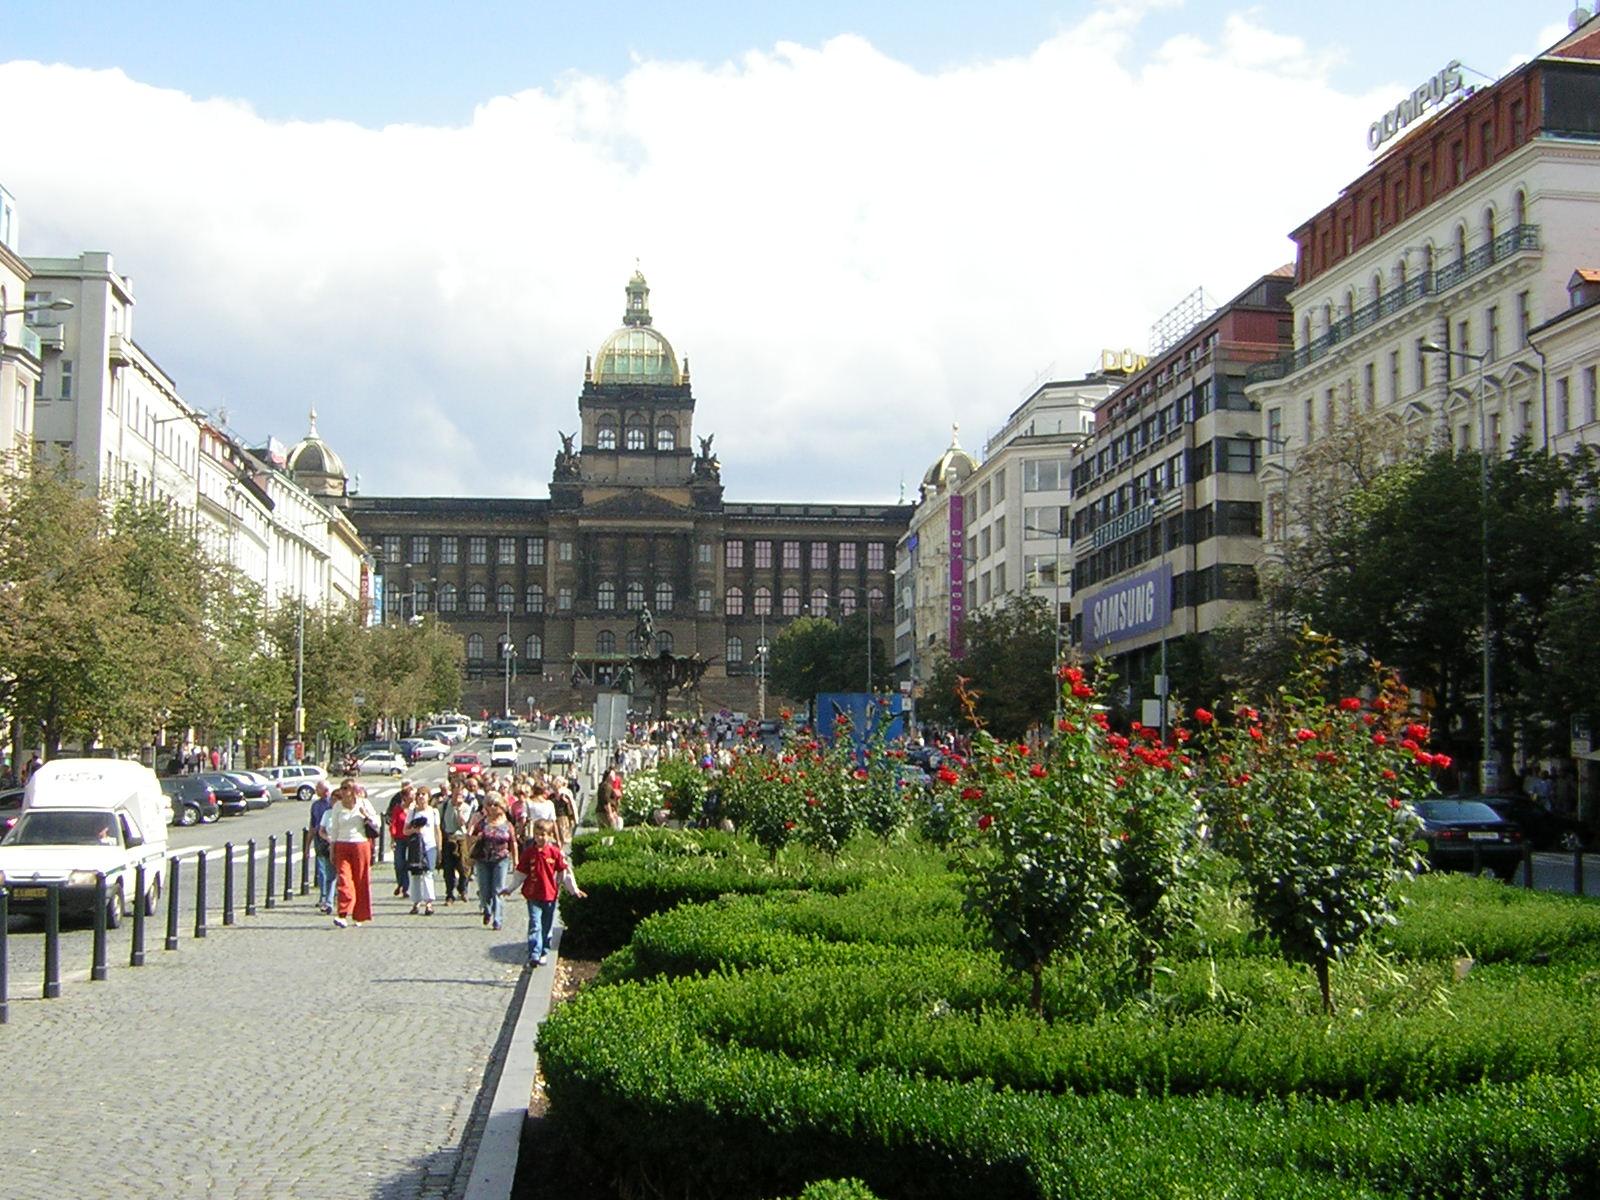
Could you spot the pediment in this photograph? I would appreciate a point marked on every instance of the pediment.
(635, 505)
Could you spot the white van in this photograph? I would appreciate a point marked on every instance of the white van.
(504, 752)
(82, 816)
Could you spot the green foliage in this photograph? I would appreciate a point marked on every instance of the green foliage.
(812, 655)
(642, 795)
(683, 785)
(1009, 665)
(838, 1189)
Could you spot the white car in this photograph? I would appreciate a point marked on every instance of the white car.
(381, 762)
(504, 752)
(297, 781)
(562, 752)
(421, 749)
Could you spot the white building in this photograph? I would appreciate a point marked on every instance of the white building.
(930, 582)
(20, 351)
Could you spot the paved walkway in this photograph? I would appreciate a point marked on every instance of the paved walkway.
(279, 1057)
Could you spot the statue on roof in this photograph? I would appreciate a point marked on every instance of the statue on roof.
(567, 458)
(706, 467)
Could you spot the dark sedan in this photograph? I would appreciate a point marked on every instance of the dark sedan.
(1546, 830)
(1463, 835)
(193, 800)
(229, 792)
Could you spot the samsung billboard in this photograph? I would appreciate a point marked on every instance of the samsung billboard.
(1135, 606)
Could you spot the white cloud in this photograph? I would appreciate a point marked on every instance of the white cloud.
(850, 252)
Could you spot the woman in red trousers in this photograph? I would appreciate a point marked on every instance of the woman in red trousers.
(345, 824)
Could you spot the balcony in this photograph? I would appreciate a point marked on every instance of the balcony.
(1436, 283)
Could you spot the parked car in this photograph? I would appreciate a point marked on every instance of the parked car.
(258, 792)
(419, 749)
(381, 762)
(372, 744)
(1545, 830)
(299, 780)
(1463, 833)
(501, 727)
(10, 808)
(229, 792)
(448, 734)
(563, 752)
(193, 801)
(466, 764)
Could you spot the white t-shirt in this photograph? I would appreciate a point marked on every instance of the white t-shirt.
(429, 828)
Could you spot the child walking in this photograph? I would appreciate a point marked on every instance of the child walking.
(545, 871)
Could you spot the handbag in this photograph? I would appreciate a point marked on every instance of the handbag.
(371, 825)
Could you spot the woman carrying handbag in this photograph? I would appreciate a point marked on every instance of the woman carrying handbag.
(350, 824)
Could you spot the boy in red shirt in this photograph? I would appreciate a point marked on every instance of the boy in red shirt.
(545, 871)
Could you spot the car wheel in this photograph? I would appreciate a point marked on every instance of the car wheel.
(116, 907)
(304, 792)
(152, 897)
(1571, 841)
(212, 819)
(187, 815)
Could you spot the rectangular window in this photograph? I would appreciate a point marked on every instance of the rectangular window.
(564, 600)
(1274, 430)
(391, 551)
(1394, 376)
(1000, 533)
(477, 550)
(1041, 522)
(1044, 475)
(1311, 419)
(819, 556)
(1524, 318)
(791, 556)
(983, 498)
(1000, 486)
(1236, 456)
(1422, 365)
(1590, 401)
(1464, 337)
(763, 555)
(1000, 580)
(1369, 386)
(984, 542)
(874, 556)
(847, 556)
(563, 551)
(419, 549)
(1563, 405)
(703, 554)
(702, 600)
(535, 552)
(1491, 332)
(449, 550)
(66, 379)
(733, 553)
(506, 552)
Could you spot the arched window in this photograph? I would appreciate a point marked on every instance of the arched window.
(422, 600)
(819, 602)
(1519, 207)
(847, 602)
(1461, 245)
(735, 602)
(475, 647)
(663, 642)
(533, 648)
(605, 596)
(1377, 286)
(505, 598)
(666, 437)
(735, 650)
(447, 597)
(875, 599)
(533, 598)
(501, 644)
(477, 598)
(605, 642)
(663, 597)
(791, 602)
(763, 605)
(391, 599)
(638, 437)
(635, 643)
(605, 434)
(635, 596)
(1488, 226)
(1305, 331)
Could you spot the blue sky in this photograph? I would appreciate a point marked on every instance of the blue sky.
(861, 224)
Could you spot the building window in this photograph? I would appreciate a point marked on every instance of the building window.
(791, 556)
(564, 600)
(874, 556)
(533, 598)
(635, 643)
(1394, 376)
(733, 554)
(1563, 405)
(663, 597)
(1524, 318)
(847, 556)
(477, 550)
(506, 551)
(563, 551)
(1044, 475)
(505, 598)
(391, 551)
(419, 549)
(477, 598)
(735, 651)
(664, 642)
(847, 602)
(638, 437)
(875, 599)
(533, 648)
(702, 600)
(391, 599)
(449, 551)
(735, 602)
(605, 435)
(66, 379)
(1590, 401)
(535, 551)
(1491, 332)
(605, 642)
(819, 602)
(605, 597)
(763, 555)
(1237, 456)
(763, 602)
(1369, 386)
(819, 556)
(666, 438)
(447, 597)
(635, 596)
(702, 554)
(791, 602)
(475, 647)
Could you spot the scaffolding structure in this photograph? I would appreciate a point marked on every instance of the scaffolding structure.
(1175, 324)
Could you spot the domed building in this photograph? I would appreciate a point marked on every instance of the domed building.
(635, 522)
(314, 465)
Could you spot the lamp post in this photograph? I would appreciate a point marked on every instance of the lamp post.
(154, 425)
(59, 305)
(1488, 770)
(1055, 608)
(508, 653)
(761, 671)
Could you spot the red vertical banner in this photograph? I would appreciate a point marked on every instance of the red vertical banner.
(958, 574)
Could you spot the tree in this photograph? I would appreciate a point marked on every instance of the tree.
(1009, 666)
(814, 655)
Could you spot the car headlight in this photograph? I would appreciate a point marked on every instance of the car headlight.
(82, 879)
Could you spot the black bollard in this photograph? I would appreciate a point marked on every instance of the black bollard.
(1477, 860)
(288, 865)
(172, 902)
(52, 941)
(97, 965)
(227, 883)
(250, 879)
(1527, 865)
(136, 954)
(272, 870)
(383, 833)
(5, 957)
(305, 862)
(1577, 872)
(200, 895)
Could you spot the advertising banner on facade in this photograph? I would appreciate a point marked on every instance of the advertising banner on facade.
(1135, 606)
(958, 574)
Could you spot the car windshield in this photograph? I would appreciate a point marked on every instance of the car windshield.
(46, 828)
(1456, 810)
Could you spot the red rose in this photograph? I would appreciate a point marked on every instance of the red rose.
(1350, 704)
(946, 775)
(985, 821)
(1380, 738)
(1442, 761)
(1066, 726)
(1037, 771)
(1204, 716)
(972, 793)
(1082, 691)
(1072, 674)
(811, 801)
(788, 824)
(1420, 732)
(1394, 801)
(1255, 732)
(861, 773)
(1022, 750)
(1305, 735)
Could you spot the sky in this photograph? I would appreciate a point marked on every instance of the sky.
(861, 224)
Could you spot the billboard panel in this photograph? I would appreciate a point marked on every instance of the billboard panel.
(1135, 606)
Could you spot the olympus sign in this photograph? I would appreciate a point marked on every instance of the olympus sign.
(1433, 94)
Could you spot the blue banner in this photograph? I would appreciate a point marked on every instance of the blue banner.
(1135, 606)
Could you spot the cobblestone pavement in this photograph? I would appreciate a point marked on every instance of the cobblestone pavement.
(279, 1057)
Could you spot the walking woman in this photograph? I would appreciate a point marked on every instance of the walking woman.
(422, 851)
(494, 844)
(346, 824)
